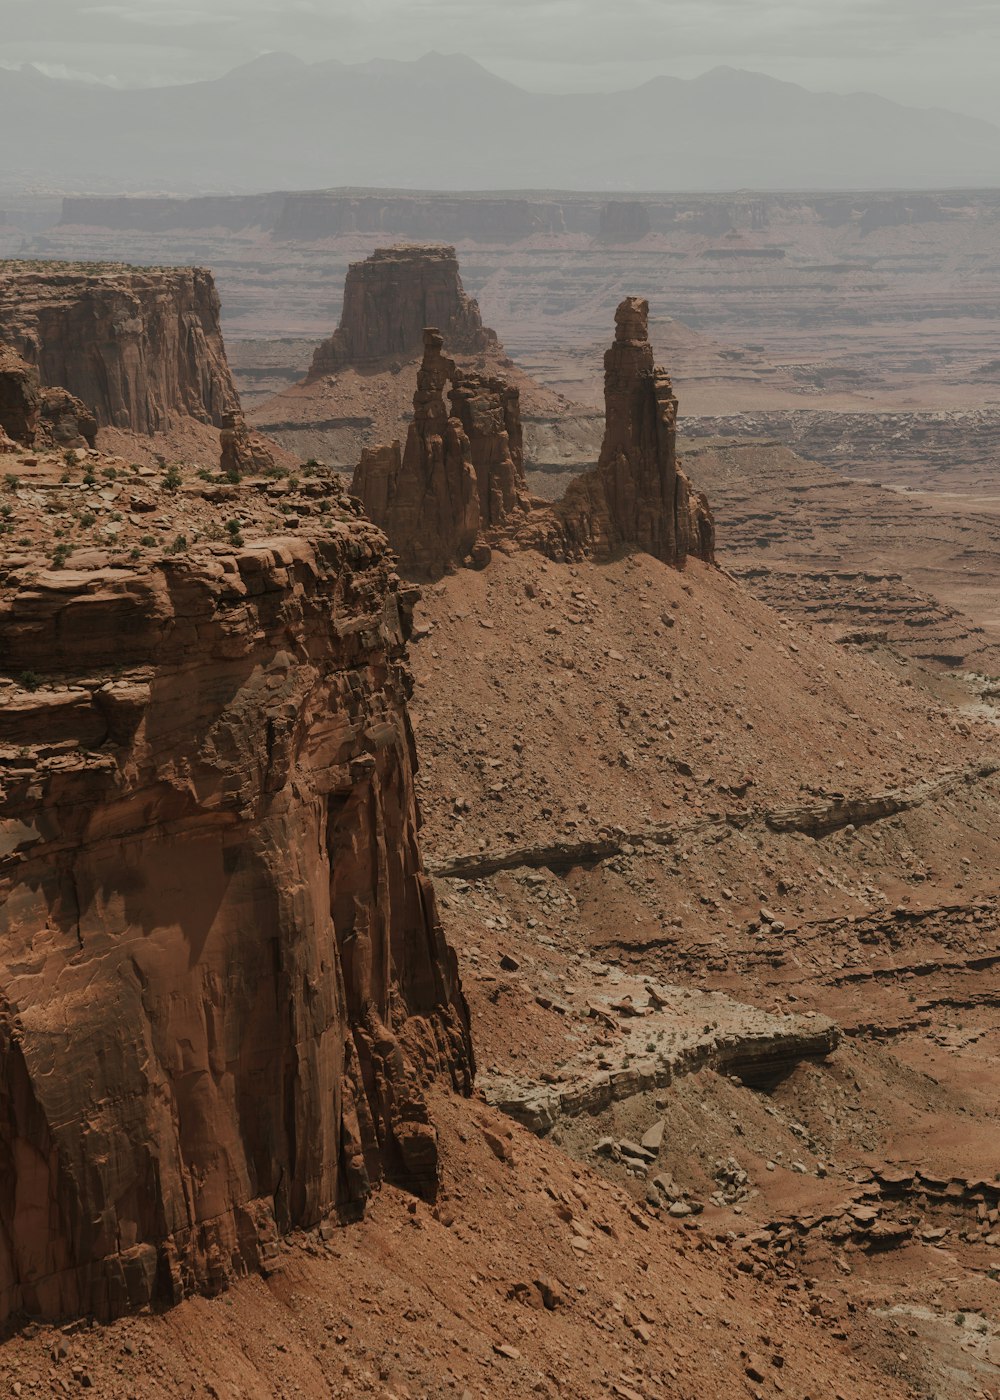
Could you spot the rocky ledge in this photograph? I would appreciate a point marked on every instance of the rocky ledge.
(215, 919)
(657, 1034)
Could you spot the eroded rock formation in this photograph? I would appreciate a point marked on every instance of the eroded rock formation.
(637, 495)
(141, 347)
(223, 979)
(242, 453)
(489, 410)
(390, 298)
(65, 420)
(20, 398)
(427, 499)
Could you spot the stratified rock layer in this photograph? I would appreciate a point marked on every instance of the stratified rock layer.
(427, 501)
(222, 975)
(390, 298)
(142, 348)
(637, 496)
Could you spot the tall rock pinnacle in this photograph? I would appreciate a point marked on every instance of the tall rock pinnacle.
(637, 495)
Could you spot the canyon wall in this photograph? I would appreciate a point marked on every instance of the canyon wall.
(390, 298)
(142, 348)
(223, 981)
(311, 216)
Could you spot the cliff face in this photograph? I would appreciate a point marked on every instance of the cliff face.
(427, 501)
(624, 221)
(388, 301)
(637, 495)
(141, 348)
(222, 975)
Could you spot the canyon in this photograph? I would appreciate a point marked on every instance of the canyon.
(573, 975)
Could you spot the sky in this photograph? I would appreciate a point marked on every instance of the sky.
(926, 53)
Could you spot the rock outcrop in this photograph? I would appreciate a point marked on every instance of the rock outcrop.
(223, 980)
(637, 495)
(427, 500)
(31, 416)
(65, 420)
(460, 479)
(242, 453)
(20, 398)
(390, 298)
(141, 347)
(489, 410)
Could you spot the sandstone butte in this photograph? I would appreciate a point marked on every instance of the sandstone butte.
(390, 298)
(459, 485)
(141, 347)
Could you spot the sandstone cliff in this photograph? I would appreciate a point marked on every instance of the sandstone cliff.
(142, 348)
(222, 974)
(388, 301)
(637, 495)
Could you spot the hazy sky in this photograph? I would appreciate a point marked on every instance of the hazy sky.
(925, 52)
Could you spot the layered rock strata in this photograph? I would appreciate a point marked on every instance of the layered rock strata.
(427, 500)
(637, 496)
(141, 347)
(223, 981)
(390, 298)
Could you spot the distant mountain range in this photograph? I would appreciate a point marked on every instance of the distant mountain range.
(444, 122)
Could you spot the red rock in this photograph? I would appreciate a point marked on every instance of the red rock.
(489, 410)
(427, 501)
(20, 398)
(243, 453)
(141, 347)
(223, 980)
(388, 301)
(65, 420)
(637, 496)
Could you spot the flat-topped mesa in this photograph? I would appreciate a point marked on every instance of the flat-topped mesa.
(426, 501)
(637, 495)
(223, 980)
(388, 301)
(141, 347)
